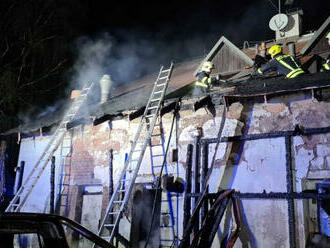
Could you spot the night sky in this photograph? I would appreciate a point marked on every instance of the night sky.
(175, 22)
(157, 32)
(49, 47)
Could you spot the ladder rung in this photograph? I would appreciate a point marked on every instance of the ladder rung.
(158, 92)
(113, 213)
(158, 155)
(118, 201)
(167, 70)
(161, 78)
(122, 190)
(109, 225)
(155, 100)
(148, 116)
(159, 85)
(153, 107)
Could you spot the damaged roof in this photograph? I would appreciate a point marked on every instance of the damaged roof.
(231, 62)
(318, 35)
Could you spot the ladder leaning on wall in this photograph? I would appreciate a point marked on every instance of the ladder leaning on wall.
(129, 173)
(63, 195)
(30, 182)
(158, 159)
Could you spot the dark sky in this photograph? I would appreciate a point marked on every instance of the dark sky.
(156, 32)
(188, 20)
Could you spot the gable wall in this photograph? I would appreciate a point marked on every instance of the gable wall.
(226, 60)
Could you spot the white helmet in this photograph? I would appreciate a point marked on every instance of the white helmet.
(207, 66)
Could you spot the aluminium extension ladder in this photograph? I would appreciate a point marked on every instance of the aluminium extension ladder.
(129, 173)
(63, 196)
(25, 190)
(157, 157)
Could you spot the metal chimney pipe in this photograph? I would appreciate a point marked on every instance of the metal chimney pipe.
(105, 85)
(292, 48)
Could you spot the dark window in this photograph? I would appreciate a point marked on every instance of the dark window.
(175, 155)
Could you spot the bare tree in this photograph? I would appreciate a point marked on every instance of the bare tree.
(32, 55)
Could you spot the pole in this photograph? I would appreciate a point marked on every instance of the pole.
(110, 173)
(289, 186)
(187, 197)
(205, 155)
(52, 186)
(196, 175)
(111, 178)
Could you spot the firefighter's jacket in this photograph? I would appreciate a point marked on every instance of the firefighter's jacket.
(284, 65)
(326, 64)
(204, 80)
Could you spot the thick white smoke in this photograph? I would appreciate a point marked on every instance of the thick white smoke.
(92, 59)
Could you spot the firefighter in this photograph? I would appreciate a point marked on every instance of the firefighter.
(283, 64)
(204, 81)
(326, 62)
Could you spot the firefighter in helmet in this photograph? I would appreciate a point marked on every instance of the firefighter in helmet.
(284, 64)
(326, 62)
(204, 81)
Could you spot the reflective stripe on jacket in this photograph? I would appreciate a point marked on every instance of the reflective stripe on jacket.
(326, 65)
(203, 80)
(285, 65)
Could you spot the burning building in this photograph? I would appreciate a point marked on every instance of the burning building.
(260, 147)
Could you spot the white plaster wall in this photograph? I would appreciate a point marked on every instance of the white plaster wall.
(264, 224)
(262, 162)
(30, 151)
(261, 165)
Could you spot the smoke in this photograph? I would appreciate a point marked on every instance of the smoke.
(128, 55)
(91, 62)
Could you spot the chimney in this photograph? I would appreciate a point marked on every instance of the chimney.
(105, 85)
(292, 48)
